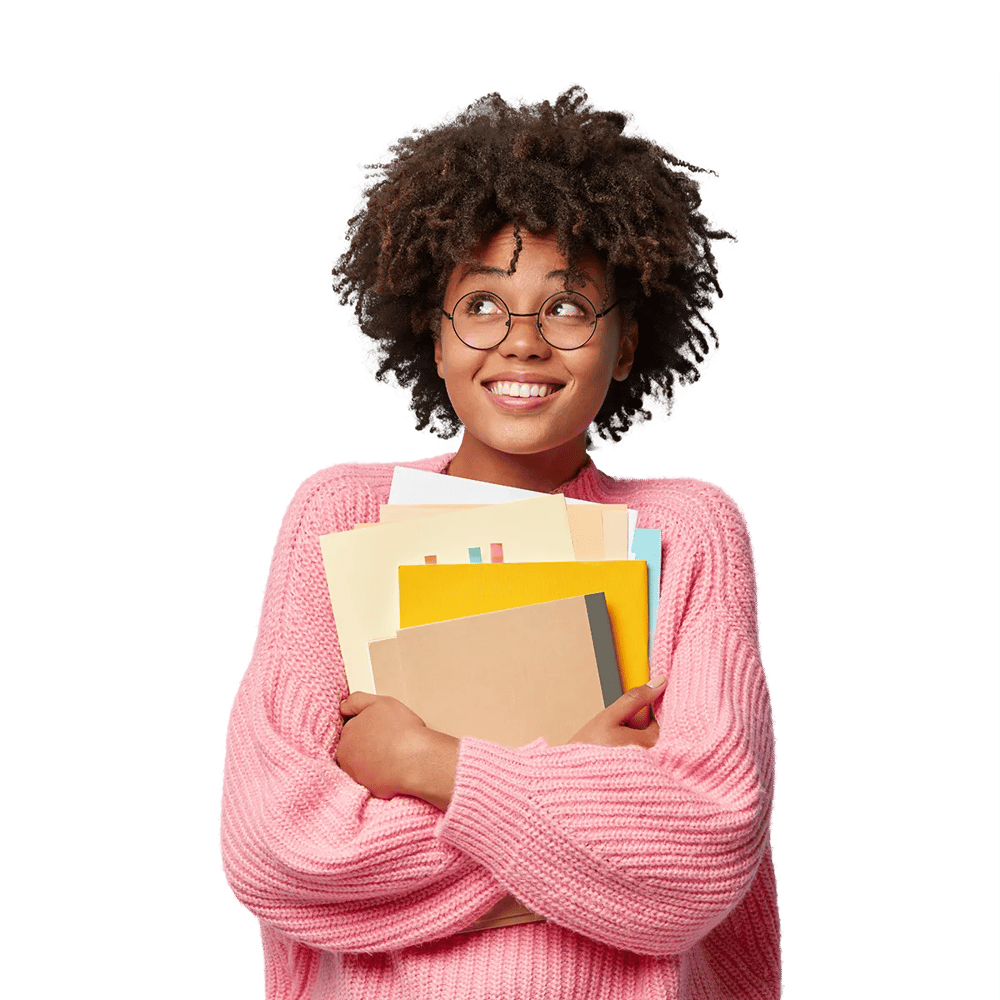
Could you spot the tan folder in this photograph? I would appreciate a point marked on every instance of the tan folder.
(506, 676)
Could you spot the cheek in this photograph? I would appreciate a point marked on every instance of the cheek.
(457, 366)
(597, 374)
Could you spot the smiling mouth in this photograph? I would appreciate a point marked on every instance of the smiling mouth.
(522, 390)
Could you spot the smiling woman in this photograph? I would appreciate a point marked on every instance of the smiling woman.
(562, 170)
(525, 403)
(531, 274)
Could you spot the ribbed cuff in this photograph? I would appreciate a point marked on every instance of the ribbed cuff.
(492, 819)
(496, 818)
(490, 809)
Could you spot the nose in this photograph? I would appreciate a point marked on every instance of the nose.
(524, 339)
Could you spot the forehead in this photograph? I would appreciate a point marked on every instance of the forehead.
(539, 260)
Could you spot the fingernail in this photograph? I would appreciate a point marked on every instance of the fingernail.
(656, 682)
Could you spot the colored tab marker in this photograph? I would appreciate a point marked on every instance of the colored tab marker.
(496, 552)
(430, 560)
(475, 555)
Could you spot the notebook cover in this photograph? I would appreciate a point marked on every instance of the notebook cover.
(506, 676)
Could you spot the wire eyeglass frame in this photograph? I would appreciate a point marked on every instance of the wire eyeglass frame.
(538, 319)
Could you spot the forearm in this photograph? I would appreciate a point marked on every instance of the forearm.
(605, 843)
(432, 775)
(316, 856)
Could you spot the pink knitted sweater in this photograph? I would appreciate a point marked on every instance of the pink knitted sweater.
(652, 868)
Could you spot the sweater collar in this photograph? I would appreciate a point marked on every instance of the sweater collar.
(588, 484)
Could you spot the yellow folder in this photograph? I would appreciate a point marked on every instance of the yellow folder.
(436, 593)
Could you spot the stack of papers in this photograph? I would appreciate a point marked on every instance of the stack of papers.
(494, 612)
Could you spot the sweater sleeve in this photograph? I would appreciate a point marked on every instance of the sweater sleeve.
(645, 850)
(309, 851)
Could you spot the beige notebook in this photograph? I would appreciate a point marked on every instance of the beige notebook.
(508, 911)
(507, 676)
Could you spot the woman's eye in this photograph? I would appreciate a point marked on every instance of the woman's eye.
(568, 308)
(484, 307)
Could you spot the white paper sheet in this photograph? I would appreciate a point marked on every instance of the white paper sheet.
(415, 486)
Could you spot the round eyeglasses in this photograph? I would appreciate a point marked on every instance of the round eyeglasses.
(566, 320)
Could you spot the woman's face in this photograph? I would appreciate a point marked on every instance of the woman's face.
(479, 381)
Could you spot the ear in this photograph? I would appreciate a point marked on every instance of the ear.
(626, 351)
(438, 355)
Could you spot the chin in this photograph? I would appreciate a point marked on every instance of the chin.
(525, 447)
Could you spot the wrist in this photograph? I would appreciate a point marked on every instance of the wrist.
(431, 776)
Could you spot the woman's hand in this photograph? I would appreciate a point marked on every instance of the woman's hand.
(627, 721)
(378, 742)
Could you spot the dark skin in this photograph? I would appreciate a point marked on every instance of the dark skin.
(538, 449)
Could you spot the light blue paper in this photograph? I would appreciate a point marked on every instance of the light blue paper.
(647, 545)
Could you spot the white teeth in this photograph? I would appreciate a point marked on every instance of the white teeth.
(521, 389)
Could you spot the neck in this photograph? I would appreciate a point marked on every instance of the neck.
(542, 472)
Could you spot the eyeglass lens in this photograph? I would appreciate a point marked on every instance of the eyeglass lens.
(566, 320)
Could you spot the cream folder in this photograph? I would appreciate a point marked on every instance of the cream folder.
(362, 566)
(586, 524)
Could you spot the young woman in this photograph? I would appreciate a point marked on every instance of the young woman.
(529, 273)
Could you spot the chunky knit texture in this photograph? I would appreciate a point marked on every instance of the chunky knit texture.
(651, 867)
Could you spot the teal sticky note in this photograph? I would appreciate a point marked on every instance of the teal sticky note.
(475, 555)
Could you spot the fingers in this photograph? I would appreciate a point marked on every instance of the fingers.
(356, 702)
(620, 736)
(651, 734)
(635, 700)
(641, 719)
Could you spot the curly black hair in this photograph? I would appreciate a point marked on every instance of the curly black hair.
(563, 168)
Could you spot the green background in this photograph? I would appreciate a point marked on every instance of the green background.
(176, 177)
